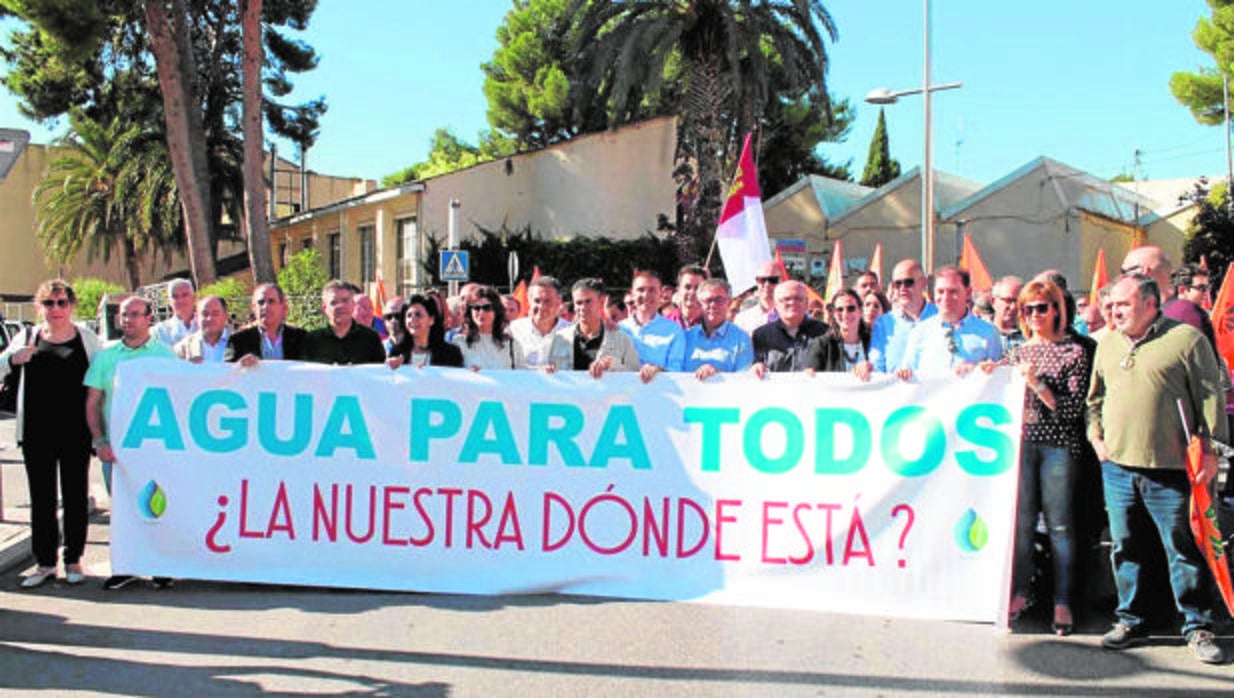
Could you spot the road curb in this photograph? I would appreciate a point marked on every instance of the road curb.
(14, 545)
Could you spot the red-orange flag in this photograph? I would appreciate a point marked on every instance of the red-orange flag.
(780, 265)
(1100, 277)
(876, 263)
(970, 261)
(535, 272)
(1223, 317)
(1204, 524)
(380, 301)
(835, 271)
(520, 294)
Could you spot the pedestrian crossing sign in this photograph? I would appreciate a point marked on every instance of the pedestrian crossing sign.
(454, 266)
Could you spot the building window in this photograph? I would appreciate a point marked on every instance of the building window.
(335, 262)
(282, 254)
(408, 255)
(368, 253)
(306, 244)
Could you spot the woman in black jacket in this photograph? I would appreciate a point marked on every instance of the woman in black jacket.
(425, 342)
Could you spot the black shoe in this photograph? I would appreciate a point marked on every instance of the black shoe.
(162, 582)
(118, 581)
(1121, 636)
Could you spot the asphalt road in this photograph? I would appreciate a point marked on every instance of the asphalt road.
(210, 639)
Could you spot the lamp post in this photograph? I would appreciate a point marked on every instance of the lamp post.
(885, 96)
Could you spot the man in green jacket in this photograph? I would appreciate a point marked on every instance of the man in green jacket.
(1142, 373)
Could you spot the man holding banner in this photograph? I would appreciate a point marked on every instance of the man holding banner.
(1149, 375)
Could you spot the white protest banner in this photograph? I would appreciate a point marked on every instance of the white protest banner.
(820, 493)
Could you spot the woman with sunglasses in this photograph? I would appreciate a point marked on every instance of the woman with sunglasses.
(852, 332)
(1056, 369)
(484, 342)
(51, 428)
(424, 343)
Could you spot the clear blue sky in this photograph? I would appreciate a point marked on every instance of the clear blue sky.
(1082, 82)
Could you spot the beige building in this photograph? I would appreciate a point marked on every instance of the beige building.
(609, 184)
(1043, 215)
(23, 264)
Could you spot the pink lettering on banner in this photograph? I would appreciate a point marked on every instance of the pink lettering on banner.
(782, 544)
(605, 524)
(609, 523)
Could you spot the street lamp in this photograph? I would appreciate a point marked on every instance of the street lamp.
(885, 96)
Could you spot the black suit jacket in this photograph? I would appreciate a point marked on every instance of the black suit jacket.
(248, 341)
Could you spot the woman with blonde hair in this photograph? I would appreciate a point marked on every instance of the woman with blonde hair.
(1056, 369)
(51, 428)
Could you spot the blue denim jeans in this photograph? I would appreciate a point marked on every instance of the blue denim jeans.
(1047, 484)
(1139, 500)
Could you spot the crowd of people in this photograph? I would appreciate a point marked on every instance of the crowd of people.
(1113, 389)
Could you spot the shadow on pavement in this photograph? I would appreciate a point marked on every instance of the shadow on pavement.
(50, 669)
(57, 671)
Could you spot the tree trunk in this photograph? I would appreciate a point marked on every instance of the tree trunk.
(132, 263)
(703, 134)
(186, 141)
(256, 235)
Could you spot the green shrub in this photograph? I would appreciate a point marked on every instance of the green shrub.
(89, 292)
(302, 280)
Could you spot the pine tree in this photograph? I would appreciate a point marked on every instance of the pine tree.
(880, 168)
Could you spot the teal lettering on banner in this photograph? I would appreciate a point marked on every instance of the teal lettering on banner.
(301, 425)
(970, 426)
(556, 424)
(826, 421)
(346, 411)
(490, 416)
(620, 421)
(431, 418)
(155, 420)
(233, 430)
(794, 440)
(935, 442)
(712, 418)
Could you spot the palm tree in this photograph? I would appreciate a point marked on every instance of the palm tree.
(736, 57)
(111, 188)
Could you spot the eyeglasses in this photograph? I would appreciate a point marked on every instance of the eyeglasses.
(846, 309)
(903, 283)
(480, 307)
(56, 302)
(1036, 308)
(760, 280)
(715, 300)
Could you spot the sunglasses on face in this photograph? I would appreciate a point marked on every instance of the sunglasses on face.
(1202, 288)
(392, 316)
(903, 283)
(267, 301)
(1036, 308)
(846, 309)
(56, 302)
(767, 280)
(480, 307)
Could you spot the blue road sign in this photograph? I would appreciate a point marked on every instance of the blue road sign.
(455, 265)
